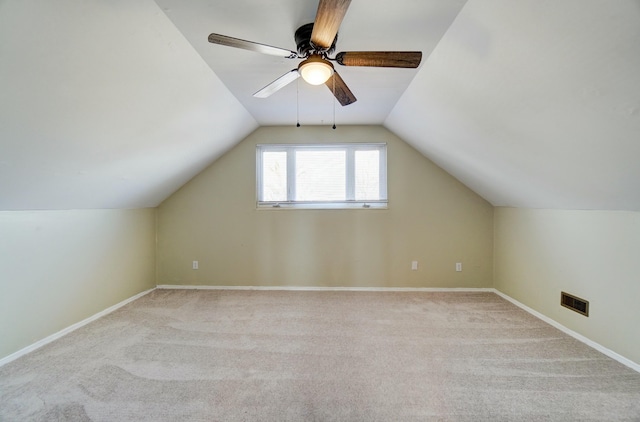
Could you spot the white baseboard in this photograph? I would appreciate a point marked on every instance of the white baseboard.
(613, 355)
(329, 289)
(69, 329)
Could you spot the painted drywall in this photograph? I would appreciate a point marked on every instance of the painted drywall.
(105, 105)
(60, 267)
(594, 255)
(533, 104)
(431, 218)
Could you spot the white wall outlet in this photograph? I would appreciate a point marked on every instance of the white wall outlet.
(458, 266)
(194, 265)
(414, 265)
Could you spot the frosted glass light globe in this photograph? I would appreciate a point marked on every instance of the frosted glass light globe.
(315, 70)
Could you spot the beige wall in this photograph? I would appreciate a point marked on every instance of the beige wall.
(60, 267)
(592, 254)
(432, 218)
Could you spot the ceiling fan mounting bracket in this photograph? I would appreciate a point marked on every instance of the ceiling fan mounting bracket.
(307, 48)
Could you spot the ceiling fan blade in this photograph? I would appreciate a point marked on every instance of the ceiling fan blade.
(340, 90)
(406, 59)
(252, 46)
(278, 84)
(328, 19)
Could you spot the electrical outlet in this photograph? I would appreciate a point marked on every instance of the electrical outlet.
(458, 266)
(414, 265)
(194, 265)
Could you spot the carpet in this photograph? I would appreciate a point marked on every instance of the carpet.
(235, 355)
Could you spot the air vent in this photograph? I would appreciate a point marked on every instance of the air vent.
(574, 303)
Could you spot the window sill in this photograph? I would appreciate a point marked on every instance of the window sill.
(322, 206)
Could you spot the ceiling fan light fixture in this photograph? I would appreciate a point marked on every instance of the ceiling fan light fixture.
(315, 70)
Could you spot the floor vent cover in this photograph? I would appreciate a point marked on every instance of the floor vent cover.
(574, 303)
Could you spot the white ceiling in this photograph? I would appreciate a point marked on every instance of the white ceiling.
(371, 25)
(116, 104)
(534, 103)
(104, 105)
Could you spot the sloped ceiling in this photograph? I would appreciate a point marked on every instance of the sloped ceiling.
(534, 103)
(531, 103)
(103, 104)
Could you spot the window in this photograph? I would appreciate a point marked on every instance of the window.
(322, 176)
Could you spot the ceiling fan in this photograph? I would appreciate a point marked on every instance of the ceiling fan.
(315, 42)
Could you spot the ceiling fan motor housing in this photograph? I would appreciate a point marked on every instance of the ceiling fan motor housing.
(305, 47)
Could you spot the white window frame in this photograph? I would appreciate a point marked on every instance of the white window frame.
(351, 202)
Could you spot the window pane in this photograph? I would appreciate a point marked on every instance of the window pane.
(274, 176)
(367, 168)
(320, 175)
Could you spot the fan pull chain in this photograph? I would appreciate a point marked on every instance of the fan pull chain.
(298, 102)
(334, 100)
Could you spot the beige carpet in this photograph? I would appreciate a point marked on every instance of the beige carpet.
(190, 355)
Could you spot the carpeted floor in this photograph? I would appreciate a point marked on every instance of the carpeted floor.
(187, 355)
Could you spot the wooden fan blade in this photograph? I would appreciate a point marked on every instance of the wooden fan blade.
(328, 19)
(342, 92)
(252, 46)
(406, 59)
(278, 84)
